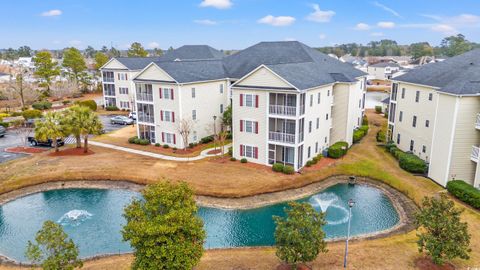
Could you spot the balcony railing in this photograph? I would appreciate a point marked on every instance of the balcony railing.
(283, 110)
(281, 137)
(144, 97)
(477, 123)
(474, 154)
(146, 118)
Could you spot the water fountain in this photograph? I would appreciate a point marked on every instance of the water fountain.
(74, 217)
(323, 200)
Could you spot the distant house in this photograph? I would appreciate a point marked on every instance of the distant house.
(383, 71)
(4, 77)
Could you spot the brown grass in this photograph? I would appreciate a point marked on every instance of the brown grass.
(220, 177)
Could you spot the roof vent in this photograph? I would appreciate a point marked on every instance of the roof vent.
(471, 64)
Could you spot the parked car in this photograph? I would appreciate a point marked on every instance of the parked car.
(121, 120)
(3, 131)
(48, 143)
(133, 115)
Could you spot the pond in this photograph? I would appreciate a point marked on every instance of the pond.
(93, 218)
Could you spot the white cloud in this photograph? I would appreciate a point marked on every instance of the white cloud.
(75, 42)
(387, 9)
(362, 27)
(320, 15)
(290, 39)
(386, 24)
(277, 21)
(444, 29)
(322, 36)
(377, 34)
(220, 4)
(205, 22)
(52, 13)
(153, 45)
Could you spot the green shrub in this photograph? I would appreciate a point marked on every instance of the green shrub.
(288, 169)
(386, 115)
(389, 145)
(157, 144)
(233, 159)
(358, 135)
(144, 142)
(398, 153)
(111, 108)
(207, 139)
(42, 105)
(393, 149)
(412, 163)
(191, 145)
(278, 167)
(336, 151)
(464, 192)
(315, 160)
(31, 114)
(378, 109)
(229, 136)
(132, 139)
(166, 146)
(15, 114)
(309, 163)
(65, 102)
(4, 124)
(90, 104)
(364, 121)
(381, 137)
(136, 141)
(230, 151)
(364, 128)
(319, 156)
(243, 160)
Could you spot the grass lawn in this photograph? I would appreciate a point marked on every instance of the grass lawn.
(220, 177)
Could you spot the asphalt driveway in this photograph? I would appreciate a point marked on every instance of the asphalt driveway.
(9, 140)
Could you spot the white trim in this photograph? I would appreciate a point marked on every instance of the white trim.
(416, 84)
(147, 67)
(264, 66)
(206, 81)
(452, 136)
(433, 133)
(103, 67)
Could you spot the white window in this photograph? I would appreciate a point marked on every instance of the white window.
(168, 116)
(318, 97)
(169, 138)
(326, 117)
(123, 90)
(249, 126)
(194, 114)
(309, 152)
(122, 76)
(124, 104)
(221, 108)
(249, 151)
(311, 100)
(221, 88)
(249, 100)
(166, 93)
(309, 126)
(316, 147)
(193, 92)
(195, 136)
(318, 122)
(328, 93)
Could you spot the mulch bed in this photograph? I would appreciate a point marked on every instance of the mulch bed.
(214, 152)
(25, 150)
(285, 266)
(427, 264)
(323, 162)
(71, 152)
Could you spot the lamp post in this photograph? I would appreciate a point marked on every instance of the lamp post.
(214, 132)
(351, 203)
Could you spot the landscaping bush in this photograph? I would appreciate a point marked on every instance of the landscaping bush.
(166, 146)
(157, 144)
(381, 136)
(31, 114)
(319, 157)
(207, 139)
(336, 151)
(4, 124)
(233, 159)
(464, 192)
(230, 151)
(364, 128)
(288, 169)
(378, 109)
(90, 104)
(42, 105)
(65, 102)
(111, 108)
(132, 139)
(412, 163)
(389, 145)
(191, 145)
(277, 167)
(358, 135)
(15, 114)
(229, 136)
(364, 121)
(309, 163)
(144, 142)
(243, 160)
(315, 160)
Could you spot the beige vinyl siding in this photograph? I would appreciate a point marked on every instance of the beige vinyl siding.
(114, 64)
(153, 72)
(442, 141)
(340, 113)
(466, 135)
(265, 78)
(424, 110)
(166, 105)
(255, 114)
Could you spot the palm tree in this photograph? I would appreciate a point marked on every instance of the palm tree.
(50, 128)
(82, 121)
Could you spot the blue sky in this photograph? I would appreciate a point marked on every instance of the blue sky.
(232, 24)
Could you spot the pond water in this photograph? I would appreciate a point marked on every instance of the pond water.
(93, 218)
(373, 99)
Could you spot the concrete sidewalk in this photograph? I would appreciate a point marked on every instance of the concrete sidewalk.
(202, 155)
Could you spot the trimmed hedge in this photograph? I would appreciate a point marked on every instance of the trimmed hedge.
(358, 135)
(42, 105)
(364, 128)
(412, 163)
(364, 121)
(243, 160)
(277, 167)
(136, 140)
(31, 114)
(111, 108)
(464, 192)
(378, 109)
(207, 139)
(381, 136)
(89, 103)
(288, 169)
(336, 151)
(4, 124)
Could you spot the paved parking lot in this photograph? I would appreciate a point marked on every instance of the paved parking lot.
(107, 126)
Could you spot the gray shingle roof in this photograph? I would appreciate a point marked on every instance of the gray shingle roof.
(459, 75)
(193, 52)
(302, 66)
(136, 63)
(194, 70)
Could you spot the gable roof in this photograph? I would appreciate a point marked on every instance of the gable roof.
(136, 63)
(300, 65)
(193, 52)
(187, 71)
(459, 75)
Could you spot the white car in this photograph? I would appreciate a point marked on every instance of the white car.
(132, 115)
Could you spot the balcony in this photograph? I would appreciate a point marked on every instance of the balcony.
(144, 97)
(475, 153)
(477, 123)
(145, 118)
(281, 137)
(283, 110)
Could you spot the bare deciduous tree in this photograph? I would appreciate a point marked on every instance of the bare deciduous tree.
(20, 88)
(184, 127)
(23, 131)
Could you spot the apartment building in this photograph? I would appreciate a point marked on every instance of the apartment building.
(383, 71)
(434, 113)
(290, 102)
